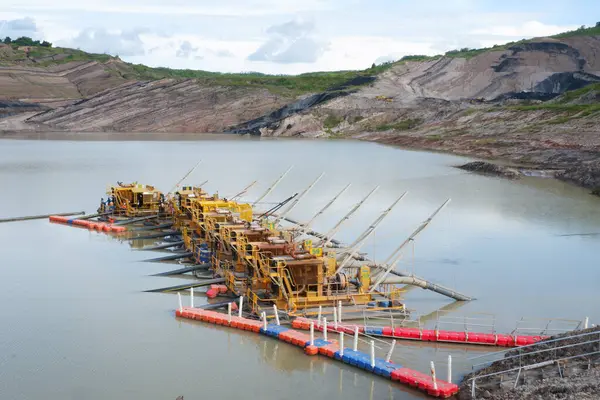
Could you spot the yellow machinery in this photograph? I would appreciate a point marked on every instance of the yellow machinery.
(135, 200)
(265, 265)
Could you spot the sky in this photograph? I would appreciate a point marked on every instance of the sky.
(286, 36)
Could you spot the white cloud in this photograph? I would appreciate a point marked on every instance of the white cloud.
(290, 42)
(186, 50)
(209, 8)
(526, 29)
(100, 40)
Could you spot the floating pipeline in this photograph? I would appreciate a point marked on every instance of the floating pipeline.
(91, 225)
(329, 348)
(427, 335)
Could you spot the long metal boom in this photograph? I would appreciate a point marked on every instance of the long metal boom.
(270, 189)
(329, 235)
(394, 258)
(243, 191)
(306, 227)
(185, 176)
(362, 239)
(297, 199)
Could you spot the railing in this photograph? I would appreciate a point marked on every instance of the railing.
(560, 350)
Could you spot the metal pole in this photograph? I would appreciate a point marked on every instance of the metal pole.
(340, 311)
(388, 357)
(276, 314)
(229, 312)
(192, 297)
(325, 328)
(372, 354)
(473, 389)
(586, 322)
(449, 368)
(270, 189)
(312, 333)
(433, 376)
(241, 304)
(355, 346)
(319, 315)
(341, 344)
(180, 304)
(264, 318)
(335, 321)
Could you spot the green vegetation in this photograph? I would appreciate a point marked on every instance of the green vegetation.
(358, 118)
(26, 41)
(332, 121)
(596, 191)
(403, 125)
(581, 31)
(575, 94)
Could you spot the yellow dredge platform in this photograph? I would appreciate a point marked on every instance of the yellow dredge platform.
(266, 263)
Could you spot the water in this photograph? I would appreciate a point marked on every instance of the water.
(75, 324)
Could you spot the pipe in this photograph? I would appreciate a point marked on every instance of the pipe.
(162, 246)
(85, 217)
(155, 235)
(422, 283)
(30, 217)
(153, 227)
(186, 286)
(270, 189)
(170, 258)
(134, 220)
(185, 270)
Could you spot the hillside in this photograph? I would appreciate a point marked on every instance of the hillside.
(534, 102)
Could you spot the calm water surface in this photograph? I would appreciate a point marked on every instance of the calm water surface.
(76, 325)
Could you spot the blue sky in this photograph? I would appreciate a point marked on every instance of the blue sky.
(285, 36)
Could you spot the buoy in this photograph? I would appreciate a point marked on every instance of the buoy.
(211, 293)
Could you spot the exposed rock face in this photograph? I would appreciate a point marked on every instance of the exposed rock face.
(161, 106)
(491, 169)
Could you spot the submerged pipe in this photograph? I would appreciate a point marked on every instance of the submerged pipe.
(184, 270)
(153, 227)
(30, 217)
(214, 306)
(134, 220)
(162, 246)
(85, 217)
(170, 258)
(155, 235)
(187, 286)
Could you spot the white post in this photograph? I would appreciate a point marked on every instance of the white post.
(319, 315)
(229, 312)
(325, 328)
(372, 354)
(449, 368)
(241, 306)
(312, 333)
(586, 322)
(264, 318)
(180, 304)
(335, 318)
(388, 357)
(276, 314)
(355, 347)
(192, 297)
(341, 344)
(340, 311)
(433, 376)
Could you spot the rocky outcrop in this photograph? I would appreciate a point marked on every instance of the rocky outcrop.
(491, 169)
(161, 106)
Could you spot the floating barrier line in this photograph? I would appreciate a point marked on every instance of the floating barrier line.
(428, 335)
(91, 225)
(330, 348)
